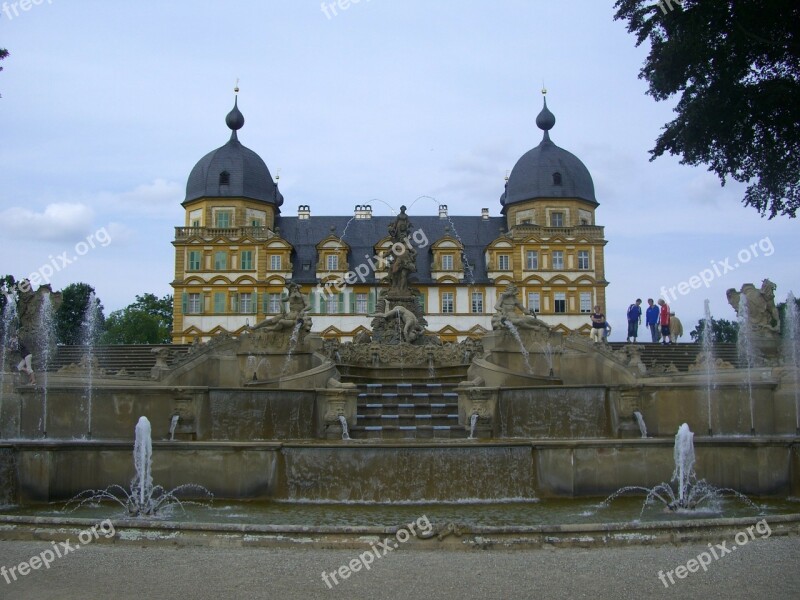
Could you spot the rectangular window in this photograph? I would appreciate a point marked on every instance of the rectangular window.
(195, 305)
(502, 262)
(333, 262)
(534, 301)
(196, 223)
(448, 302)
(558, 260)
(219, 302)
(275, 262)
(274, 306)
(332, 304)
(246, 258)
(194, 260)
(220, 261)
(556, 219)
(532, 260)
(560, 304)
(222, 219)
(246, 303)
(447, 262)
(361, 304)
(583, 259)
(586, 302)
(477, 302)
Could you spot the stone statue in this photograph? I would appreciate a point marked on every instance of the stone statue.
(411, 329)
(506, 311)
(399, 228)
(761, 311)
(298, 310)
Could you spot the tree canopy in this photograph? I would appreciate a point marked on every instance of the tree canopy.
(3, 54)
(147, 321)
(71, 326)
(735, 66)
(722, 331)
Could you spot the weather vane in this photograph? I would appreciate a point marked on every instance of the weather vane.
(236, 86)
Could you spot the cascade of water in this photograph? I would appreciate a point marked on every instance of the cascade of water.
(640, 422)
(9, 319)
(684, 462)
(525, 354)
(791, 349)
(292, 345)
(345, 429)
(746, 352)
(142, 484)
(89, 338)
(46, 339)
(252, 367)
(708, 353)
(547, 351)
(173, 425)
(473, 421)
(431, 368)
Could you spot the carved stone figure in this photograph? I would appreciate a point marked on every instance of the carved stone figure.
(298, 310)
(761, 310)
(506, 311)
(411, 329)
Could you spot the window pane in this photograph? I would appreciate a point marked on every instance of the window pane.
(447, 262)
(194, 260)
(274, 303)
(247, 260)
(586, 302)
(219, 302)
(194, 303)
(332, 304)
(361, 304)
(557, 219)
(534, 301)
(447, 302)
(583, 259)
(532, 260)
(333, 262)
(560, 304)
(477, 302)
(275, 262)
(220, 260)
(223, 219)
(558, 259)
(246, 303)
(502, 261)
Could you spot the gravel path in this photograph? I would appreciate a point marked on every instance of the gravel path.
(764, 568)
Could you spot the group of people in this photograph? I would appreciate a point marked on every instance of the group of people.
(664, 326)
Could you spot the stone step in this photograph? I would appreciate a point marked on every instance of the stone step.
(409, 432)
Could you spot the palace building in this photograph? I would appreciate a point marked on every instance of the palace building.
(236, 252)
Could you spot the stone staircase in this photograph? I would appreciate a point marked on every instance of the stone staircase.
(408, 403)
(137, 360)
(681, 355)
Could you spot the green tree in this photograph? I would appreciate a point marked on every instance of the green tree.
(146, 321)
(782, 314)
(7, 286)
(736, 69)
(71, 316)
(722, 331)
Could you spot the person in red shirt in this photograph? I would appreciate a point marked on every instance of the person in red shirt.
(663, 320)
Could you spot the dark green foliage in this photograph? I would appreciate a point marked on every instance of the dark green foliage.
(71, 314)
(735, 67)
(722, 330)
(146, 321)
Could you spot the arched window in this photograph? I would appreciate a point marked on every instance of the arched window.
(224, 178)
(556, 178)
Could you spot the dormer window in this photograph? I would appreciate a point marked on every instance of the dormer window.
(224, 178)
(556, 178)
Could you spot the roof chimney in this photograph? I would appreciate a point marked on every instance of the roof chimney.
(443, 211)
(485, 214)
(303, 212)
(363, 211)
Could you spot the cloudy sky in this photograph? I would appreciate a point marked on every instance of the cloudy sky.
(106, 106)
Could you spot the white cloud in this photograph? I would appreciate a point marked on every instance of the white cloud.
(159, 199)
(58, 221)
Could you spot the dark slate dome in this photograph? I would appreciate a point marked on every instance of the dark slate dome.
(232, 171)
(548, 171)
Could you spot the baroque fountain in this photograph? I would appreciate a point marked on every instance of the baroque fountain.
(523, 414)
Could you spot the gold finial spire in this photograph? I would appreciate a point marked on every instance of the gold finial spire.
(544, 89)
(278, 175)
(236, 86)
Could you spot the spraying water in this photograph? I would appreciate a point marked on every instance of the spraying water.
(292, 345)
(640, 421)
(142, 483)
(89, 335)
(525, 354)
(345, 429)
(791, 349)
(45, 338)
(684, 462)
(745, 347)
(473, 421)
(9, 319)
(708, 352)
(173, 425)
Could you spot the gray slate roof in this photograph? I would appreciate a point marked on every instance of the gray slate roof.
(475, 232)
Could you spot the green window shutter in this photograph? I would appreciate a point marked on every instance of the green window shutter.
(371, 302)
(265, 302)
(234, 303)
(311, 307)
(254, 304)
(341, 303)
(352, 302)
(422, 303)
(219, 302)
(323, 305)
(184, 302)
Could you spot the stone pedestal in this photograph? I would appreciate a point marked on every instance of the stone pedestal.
(333, 403)
(478, 401)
